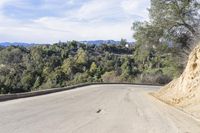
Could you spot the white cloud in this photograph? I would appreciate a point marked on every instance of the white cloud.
(2, 2)
(130, 5)
(93, 20)
(137, 7)
(93, 9)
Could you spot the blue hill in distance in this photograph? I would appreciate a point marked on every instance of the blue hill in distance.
(99, 42)
(92, 42)
(6, 44)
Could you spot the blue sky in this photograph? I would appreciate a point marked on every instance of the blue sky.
(48, 21)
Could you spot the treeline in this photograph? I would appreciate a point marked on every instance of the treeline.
(47, 66)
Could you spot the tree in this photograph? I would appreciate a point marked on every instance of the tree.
(11, 55)
(93, 68)
(147, 38)
(38, 82)
(123, 42)
(81, 57)
(180, 19)
(111, 76)
(175, 22)
(27, 81)
(80, 78)
(126, 69)
(73, 45)
(68, 67)
(176, 15)
(56, 78)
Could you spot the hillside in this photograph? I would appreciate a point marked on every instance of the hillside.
(25, 69)
(184, 92)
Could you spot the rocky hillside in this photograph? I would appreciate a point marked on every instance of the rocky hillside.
(184, 92)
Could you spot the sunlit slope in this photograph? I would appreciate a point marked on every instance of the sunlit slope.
(184, 92)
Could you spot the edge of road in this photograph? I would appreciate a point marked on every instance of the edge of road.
(14, 96)
(178, 108)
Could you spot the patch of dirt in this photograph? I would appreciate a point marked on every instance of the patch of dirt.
(184, 92)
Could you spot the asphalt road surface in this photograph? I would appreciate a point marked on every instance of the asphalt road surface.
(95, 109)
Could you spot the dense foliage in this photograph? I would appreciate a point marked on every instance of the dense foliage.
(172, 22)
(47, 66)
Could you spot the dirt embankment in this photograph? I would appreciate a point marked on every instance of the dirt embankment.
(184, 92)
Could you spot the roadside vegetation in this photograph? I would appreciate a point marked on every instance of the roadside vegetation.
(157, 56)
(48, 66)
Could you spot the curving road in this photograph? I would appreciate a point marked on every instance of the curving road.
(95, 109)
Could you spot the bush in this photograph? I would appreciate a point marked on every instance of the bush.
(80, 78)
(110, 77)
(155, 78)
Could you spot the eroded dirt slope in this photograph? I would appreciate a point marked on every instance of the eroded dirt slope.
(184, 92)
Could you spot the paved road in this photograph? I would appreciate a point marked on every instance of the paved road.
(95, 109)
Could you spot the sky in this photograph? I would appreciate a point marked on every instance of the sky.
(49, 21)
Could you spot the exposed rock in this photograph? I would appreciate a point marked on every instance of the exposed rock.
(184, 92)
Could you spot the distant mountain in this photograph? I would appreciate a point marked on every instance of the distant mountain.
(95, 42)
(99, 42)
(5, 44)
